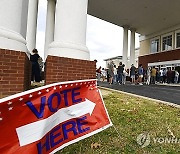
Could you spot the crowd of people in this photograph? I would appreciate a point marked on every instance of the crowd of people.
(165, 75)
(119, 75)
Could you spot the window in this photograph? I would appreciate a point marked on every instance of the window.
(167, 43)
(154, 45)
(178, 40)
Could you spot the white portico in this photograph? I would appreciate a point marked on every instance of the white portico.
(151, 19)
(66, 23)
(65, 42)
(157, 22)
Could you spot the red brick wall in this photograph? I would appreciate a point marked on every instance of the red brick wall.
(159, 57)
(15, 72)
(66, 69)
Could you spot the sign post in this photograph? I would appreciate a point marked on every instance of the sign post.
(46, 119)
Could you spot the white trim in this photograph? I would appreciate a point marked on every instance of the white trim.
(175, 39)
(164, 63)
(165, 35)
(159, 47)
(114, 58)
(160, 33)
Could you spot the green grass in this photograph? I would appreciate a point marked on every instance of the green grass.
(132, 116)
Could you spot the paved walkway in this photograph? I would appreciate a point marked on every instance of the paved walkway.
(168, 93)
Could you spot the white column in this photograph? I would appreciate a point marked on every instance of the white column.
(70, 30)
(125, 45)
(32, 24)
(50, 22)
(132, 47)
(11, 13)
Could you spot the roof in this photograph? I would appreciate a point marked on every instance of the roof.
(112, 58)
(146, 16)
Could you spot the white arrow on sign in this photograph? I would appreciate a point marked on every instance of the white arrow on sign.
(35, 131)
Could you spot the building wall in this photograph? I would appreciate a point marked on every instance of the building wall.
(159, 57)
(145, 41)
(144, 47)
(59, 69)
(116, 61)
(15, 70)
(146, 56)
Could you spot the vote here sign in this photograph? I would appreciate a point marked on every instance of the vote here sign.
(46, 119)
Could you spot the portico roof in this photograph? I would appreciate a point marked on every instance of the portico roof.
(146, 16)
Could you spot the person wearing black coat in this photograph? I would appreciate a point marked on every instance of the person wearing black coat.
(35, 66)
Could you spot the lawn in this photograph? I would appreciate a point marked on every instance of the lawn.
(131, 117)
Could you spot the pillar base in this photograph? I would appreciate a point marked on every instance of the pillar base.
(60, 69)
(12, 40)
(69, 50)
(15, 69)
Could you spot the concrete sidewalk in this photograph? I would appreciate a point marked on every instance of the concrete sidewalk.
(166, 84)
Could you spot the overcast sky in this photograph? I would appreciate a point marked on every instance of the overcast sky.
(104, 40)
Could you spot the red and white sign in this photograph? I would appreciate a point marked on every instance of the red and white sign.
(46, 119)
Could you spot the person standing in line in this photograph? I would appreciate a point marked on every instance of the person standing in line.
(107, 72)
(115, 75)
(173, 75)
(124, 76)
(176, 78)
(161, 75)
(157, 75)
(98, 71)
(153, 75)
(41, 65)
(104, 74)
(111, 72)
(120, 72)
(164, 75)
(98, 75)
(132, 74)
(35, 76)
(148, 76)
(140, 74)
(169, 75)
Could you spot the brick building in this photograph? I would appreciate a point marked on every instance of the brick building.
(65, 37)
(158, 24)
(66, 54)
